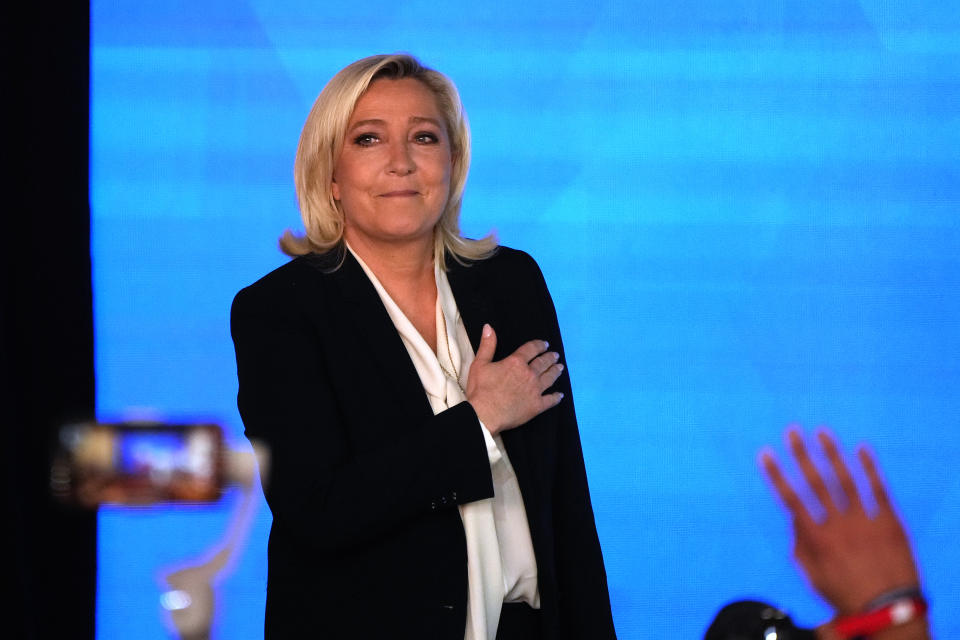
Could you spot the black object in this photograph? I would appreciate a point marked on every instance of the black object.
(46, 317)
(754, 620)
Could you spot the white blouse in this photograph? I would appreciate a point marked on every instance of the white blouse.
(501, 565)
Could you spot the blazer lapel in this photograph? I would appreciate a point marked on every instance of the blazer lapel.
(471, 290)
(471, 302)
(472, 293)
(364, 311)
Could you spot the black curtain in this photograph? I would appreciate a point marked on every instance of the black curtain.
(46, 317)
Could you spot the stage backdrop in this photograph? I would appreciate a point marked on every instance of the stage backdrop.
(746, 211)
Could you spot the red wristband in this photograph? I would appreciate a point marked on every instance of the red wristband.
(897, 612)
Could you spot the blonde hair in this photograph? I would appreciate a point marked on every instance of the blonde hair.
(321, 142)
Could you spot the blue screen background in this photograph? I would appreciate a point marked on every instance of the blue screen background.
(746, 212)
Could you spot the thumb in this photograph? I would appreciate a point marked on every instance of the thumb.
(488, 344)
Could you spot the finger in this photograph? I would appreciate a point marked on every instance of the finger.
(876, 484)
(788, 496)
(840, 470)
(544, 361)
(810, 472)
(549, 401)
(530, 350)
(548, 377)
(488, 345)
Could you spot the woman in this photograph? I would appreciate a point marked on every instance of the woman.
(426, 478)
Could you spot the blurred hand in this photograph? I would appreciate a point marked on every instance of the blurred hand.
(850, 557)
(508, 393)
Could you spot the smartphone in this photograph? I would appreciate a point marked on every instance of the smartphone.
(138, 463)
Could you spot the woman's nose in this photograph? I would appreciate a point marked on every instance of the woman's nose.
(401, 161)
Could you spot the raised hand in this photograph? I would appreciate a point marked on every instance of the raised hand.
(507, 393)
(849, 556)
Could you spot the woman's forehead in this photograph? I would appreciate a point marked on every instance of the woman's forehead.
(402, 98)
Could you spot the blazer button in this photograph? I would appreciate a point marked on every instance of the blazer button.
(443, 500)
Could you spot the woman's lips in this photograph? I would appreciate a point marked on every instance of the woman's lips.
(405, 193)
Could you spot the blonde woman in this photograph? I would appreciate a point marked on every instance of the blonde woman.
(427, 479)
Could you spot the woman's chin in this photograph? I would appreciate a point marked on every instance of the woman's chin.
(399, 235)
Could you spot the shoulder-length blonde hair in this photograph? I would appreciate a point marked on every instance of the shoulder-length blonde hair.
(321, 142)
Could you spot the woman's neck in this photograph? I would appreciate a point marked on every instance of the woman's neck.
(401, 264)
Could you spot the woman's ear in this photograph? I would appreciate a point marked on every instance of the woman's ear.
(335, 189)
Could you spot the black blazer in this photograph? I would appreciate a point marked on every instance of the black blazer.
(365, 480)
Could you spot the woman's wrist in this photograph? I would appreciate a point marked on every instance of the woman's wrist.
(484, 417)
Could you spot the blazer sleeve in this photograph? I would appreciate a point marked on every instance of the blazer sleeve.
(318, 482)
(584, 602)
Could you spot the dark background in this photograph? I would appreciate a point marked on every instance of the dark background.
(46, 315)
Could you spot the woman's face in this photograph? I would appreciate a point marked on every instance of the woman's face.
(392, 178)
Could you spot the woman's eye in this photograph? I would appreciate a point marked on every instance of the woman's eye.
(426, 137)
(365, 139)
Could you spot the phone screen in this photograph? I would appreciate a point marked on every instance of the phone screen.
(133, 463)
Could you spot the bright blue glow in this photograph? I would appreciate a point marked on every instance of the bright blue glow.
(155, 451)
(746, 211)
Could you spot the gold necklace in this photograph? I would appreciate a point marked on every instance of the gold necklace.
(455, 378)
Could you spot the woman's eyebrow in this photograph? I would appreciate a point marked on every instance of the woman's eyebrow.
(364, 123)
(380, 122)
(422, 119)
